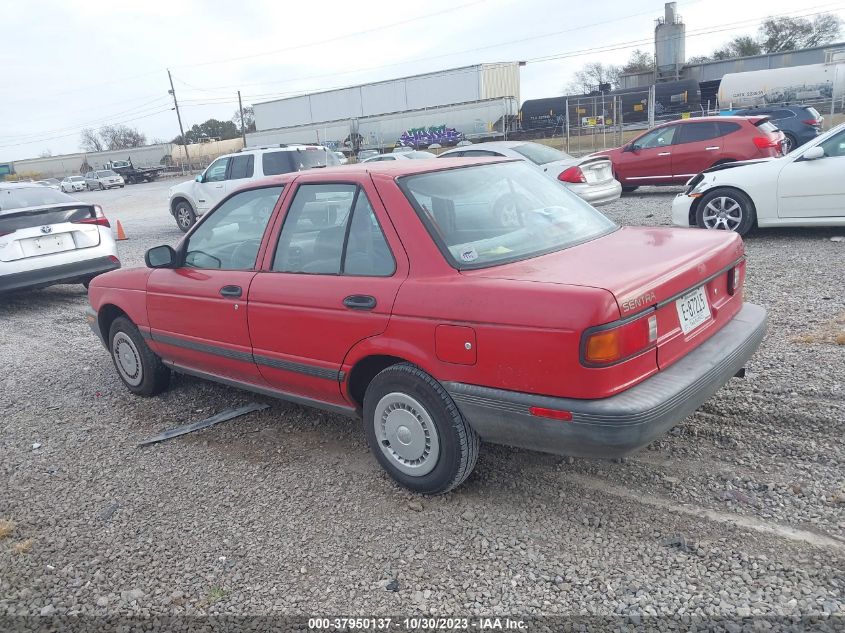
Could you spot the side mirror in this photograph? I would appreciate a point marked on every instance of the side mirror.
(160, 257)
(198, 178)
(632, 147)
(814, 153)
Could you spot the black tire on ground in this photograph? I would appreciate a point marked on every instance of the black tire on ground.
(404, 394)
(790, 141)
(185, 216)
(629, 188)
(121, 186)
(727, 210)
(102, 187)
(138, 367)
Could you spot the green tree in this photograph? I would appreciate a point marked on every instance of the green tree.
(639, 61)
(212, 129)
(741, 46)
(249, 119)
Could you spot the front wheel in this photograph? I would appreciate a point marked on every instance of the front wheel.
(416, 432)
(726, 210)
(102, 187)
(789, 143)
(185, 216)
(138, 367)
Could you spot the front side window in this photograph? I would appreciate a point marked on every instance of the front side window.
(216, 172)
(331, 229)
(659, 137)
(486, 215)
(835, 145)
(229, 238)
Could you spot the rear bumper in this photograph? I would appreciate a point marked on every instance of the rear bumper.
(598, 194)
(75, 272)
(624, 423)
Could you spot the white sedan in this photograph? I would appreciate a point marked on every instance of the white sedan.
(804, 188)
(73, 183)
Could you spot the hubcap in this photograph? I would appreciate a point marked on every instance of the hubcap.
(406, 434)
(722, 213)
(184, 217)
(126, 359)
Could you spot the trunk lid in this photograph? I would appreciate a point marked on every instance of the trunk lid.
(644, 269)
(38, 231)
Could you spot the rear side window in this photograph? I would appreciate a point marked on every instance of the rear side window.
(726, 127)
(331, 230)
(275, 163)
(697, 132)
(242, 167)
(766, 126)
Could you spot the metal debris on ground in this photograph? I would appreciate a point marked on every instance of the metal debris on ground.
(228, 414)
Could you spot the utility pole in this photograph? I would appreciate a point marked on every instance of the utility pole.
(172, 91)
(243, 127)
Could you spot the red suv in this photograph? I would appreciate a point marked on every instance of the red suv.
(672, 153)
(391, 292)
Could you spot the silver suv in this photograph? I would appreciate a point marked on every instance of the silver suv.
(191, 199)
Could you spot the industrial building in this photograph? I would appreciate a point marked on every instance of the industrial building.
(476, 101)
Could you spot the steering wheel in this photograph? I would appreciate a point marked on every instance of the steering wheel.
(244, 254)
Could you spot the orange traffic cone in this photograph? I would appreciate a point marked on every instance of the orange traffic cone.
(121, 234)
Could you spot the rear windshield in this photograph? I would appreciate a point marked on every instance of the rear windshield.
(20, 198)
(484, 215)
(813, 112)
(540, 154)
(106, 173)
(766, 126)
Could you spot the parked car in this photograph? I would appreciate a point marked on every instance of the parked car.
(410, 154)
(804, 188)
(672, 153)
(190, 200)
(53, 183)
(799, 124)
(47, 238)
(103, 179)
(590, 178)
(73, 183)
(389, 292)
(341, 158)
(367, 153)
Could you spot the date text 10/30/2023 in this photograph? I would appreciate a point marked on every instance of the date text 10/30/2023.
(417, 624)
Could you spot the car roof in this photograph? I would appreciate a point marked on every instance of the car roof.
(489, 144)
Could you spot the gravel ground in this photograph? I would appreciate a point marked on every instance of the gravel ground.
(738, 513)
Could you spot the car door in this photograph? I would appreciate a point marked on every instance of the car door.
(814, 188)
(211, 187)
(328, 282)
(648, 159)
(198, 311)
(697, 146)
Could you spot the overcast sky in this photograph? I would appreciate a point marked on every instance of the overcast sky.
(73, 64)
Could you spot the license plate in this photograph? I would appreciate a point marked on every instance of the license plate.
(57, 243)
(693, 309)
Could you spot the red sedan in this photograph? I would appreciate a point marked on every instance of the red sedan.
(389, 292)
(672, 153)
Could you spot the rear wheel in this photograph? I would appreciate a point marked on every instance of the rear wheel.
(416, 432)
(185, 216)
(138, 367)
(789, 143)
(726, 210)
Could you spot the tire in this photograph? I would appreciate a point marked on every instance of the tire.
(790, 142)
(726, 210)
(629, 188)
(138, 367)
(441, 448)
(102, 188)
(121, 186)
(185, 216)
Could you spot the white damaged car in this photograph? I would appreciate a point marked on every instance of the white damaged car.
(804, 188)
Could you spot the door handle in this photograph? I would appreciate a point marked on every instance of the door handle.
(711, 148)
(218, 186)
(360, 302)
(233, 292)
(665, 154)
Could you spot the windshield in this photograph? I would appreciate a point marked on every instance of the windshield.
(540, 154)
(21, 198)
(485, 215)
(106, 173)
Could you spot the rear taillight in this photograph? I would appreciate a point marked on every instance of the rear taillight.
(734, 280)
(765, 142)
(813, 122)
(573, 175)
(613, 343)
(99, 218)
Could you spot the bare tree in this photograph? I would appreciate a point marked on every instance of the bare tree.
(592, 77)
(121, 137)
(249, 119)
(89, 141)
(47, 153)
(741, 46)
(639, 61)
